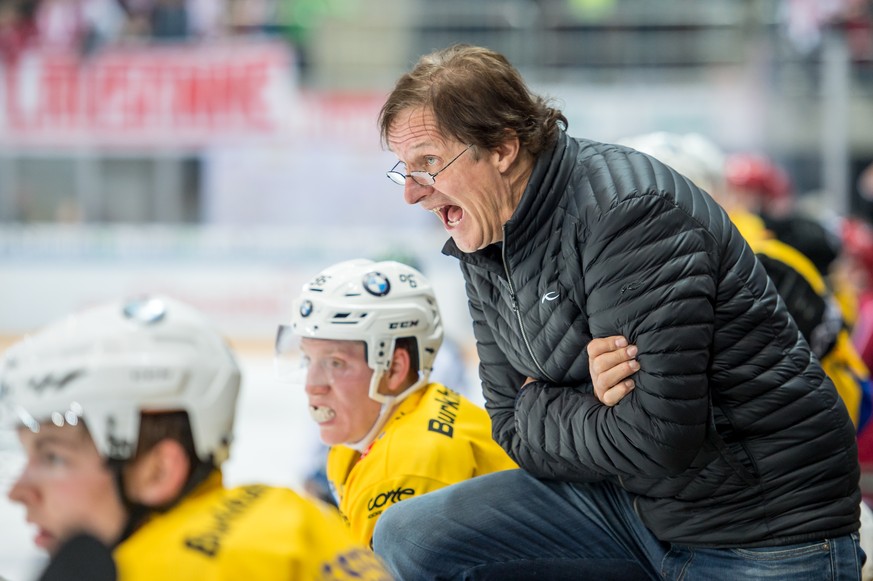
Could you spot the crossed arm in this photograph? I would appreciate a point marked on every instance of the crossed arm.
(611, 362)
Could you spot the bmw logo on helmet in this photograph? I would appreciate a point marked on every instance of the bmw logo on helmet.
(306, 308)
(376, 284)
(145, 310)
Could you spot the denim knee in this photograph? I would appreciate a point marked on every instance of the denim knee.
(394, 526)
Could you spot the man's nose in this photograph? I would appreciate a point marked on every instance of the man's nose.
(317, 381)
(316, 388)
(413, 193)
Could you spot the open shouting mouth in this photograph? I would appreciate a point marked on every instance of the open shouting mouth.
(450, 215)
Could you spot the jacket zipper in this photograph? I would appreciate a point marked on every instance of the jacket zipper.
(517, 311)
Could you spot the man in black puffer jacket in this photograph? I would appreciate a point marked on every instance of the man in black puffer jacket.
(730, 456)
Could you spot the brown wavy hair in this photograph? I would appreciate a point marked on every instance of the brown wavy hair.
(476, 96)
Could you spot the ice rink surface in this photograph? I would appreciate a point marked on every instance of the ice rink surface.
(275, 443)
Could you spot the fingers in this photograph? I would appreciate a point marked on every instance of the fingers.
(614, 395)
(611, 362)
(616, 383)
(605, 344)
(620, 371)
(611, 359)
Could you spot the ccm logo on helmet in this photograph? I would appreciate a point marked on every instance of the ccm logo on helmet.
(403, 324)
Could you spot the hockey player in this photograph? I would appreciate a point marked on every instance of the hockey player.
(126, 415)
(368, 333)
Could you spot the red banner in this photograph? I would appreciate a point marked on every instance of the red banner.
(179, 95)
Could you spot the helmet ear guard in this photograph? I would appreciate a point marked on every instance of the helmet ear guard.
(109, 364)
(382, 367)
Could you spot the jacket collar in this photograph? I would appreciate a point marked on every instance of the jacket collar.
(545, 188)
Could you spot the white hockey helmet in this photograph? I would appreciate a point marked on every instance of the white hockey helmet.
(107, 364)
(373, 302)
(691, 154)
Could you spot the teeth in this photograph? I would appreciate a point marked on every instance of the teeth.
(321, 414)
(440, 214)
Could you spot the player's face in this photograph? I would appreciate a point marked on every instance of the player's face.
(337, 387)
(472, 198)
(66, 487)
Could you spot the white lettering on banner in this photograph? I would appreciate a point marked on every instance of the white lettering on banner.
(159, 95)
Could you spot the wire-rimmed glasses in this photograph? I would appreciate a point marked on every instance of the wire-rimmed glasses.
(422, 178)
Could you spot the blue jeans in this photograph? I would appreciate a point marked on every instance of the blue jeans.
(510, 525)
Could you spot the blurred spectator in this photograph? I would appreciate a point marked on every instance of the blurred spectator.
(758, 184)
(82, 26)
(857, 22)
(857, 274)
(805, 21)
(249, 16)
(810, 236)
(17, 28)
(206, 18)
(169, 20)
(856, 269)
(61, 25)
(105, 21)
(298, 19)
(74, 26)
(865, 183)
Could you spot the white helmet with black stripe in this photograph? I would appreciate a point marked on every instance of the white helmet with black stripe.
(109, 364)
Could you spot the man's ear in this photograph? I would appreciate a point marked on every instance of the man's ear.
(398, 376)
(506, 153)
(158, 476)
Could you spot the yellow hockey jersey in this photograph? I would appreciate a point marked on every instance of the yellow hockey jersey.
(249, 532)
(434, 438)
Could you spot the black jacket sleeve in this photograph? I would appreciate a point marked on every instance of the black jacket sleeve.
(648, 275)
(501, 385)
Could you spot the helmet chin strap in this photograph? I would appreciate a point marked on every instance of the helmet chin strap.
(389, 402)
(384, 414)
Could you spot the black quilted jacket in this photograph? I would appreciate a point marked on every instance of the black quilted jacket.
(733, 435)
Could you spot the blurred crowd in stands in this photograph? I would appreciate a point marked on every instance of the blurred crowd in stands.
(82, 26)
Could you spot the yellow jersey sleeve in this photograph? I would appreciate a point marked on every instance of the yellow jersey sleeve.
(850, 376)
(248, 532)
